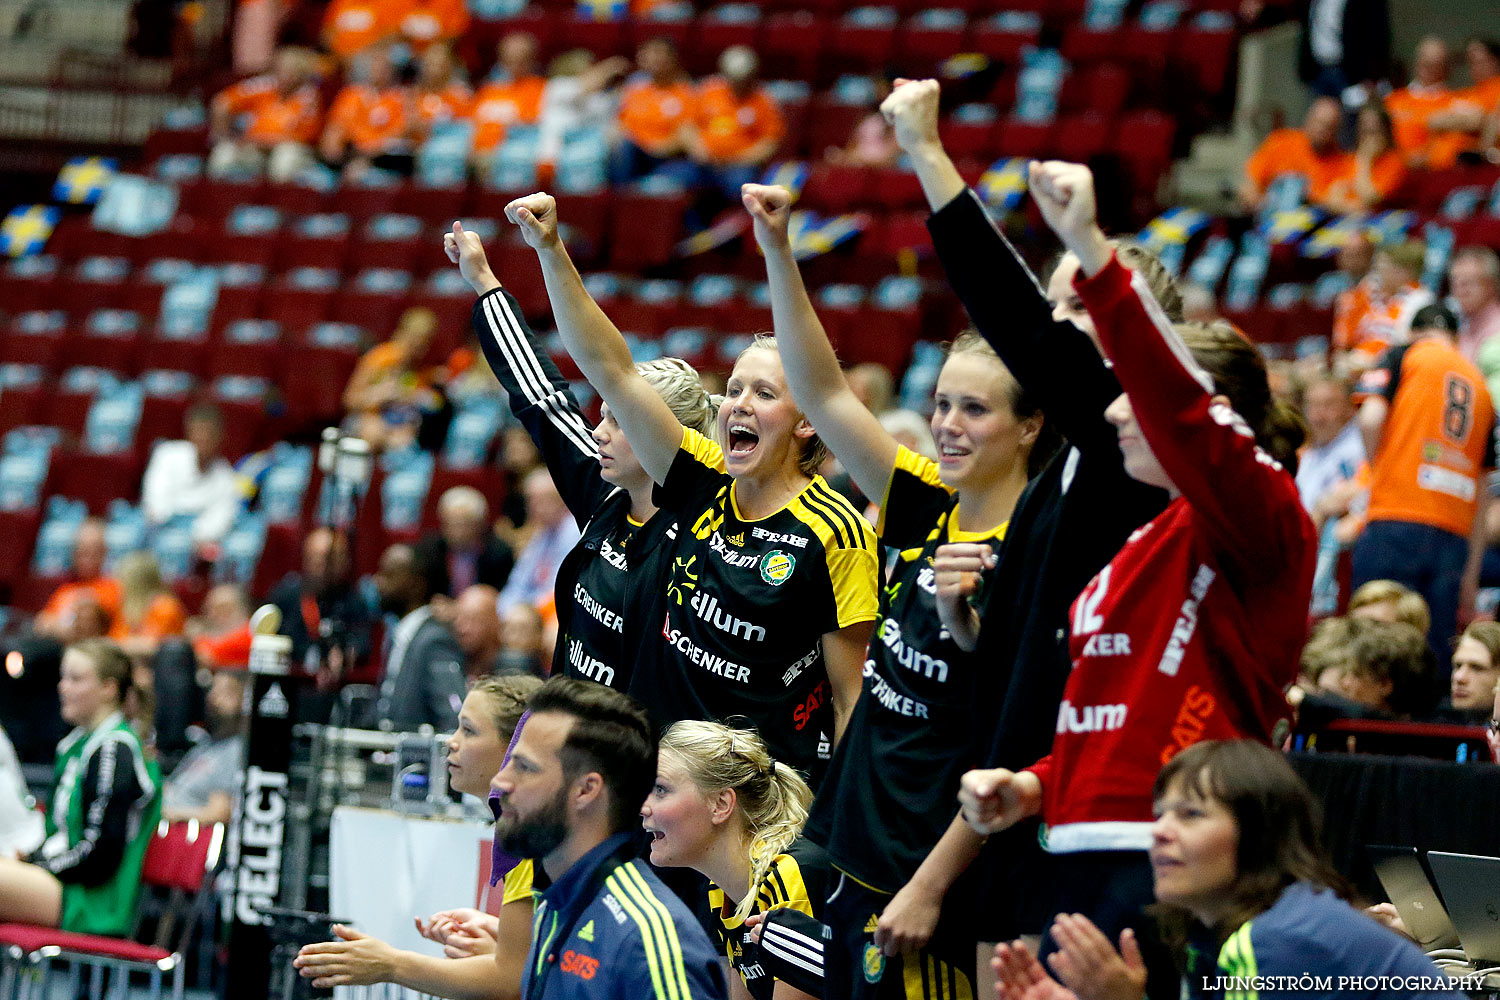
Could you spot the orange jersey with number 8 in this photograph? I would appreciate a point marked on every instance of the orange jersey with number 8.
(1438, 439)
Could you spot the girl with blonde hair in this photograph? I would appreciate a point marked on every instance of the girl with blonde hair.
(770, 599)
(724, 808)
(608, 585)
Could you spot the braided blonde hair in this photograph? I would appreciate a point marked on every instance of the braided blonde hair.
(677, 383)
(772, 797)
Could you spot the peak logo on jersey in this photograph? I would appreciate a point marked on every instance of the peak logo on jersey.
(684, 578)
(776, 567)
(778, 538)
(874, 964)
(708, 522)
(579, 964)
(587, 932)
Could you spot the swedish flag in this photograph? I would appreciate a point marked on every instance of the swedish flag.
(1003, 185)
(1334, 233)
(1174, 226)
(602, 10)
(791, 175)
(812, 236)
(26, 229)
(963, 65)
(725, 231)
(1388, 227)
(83, 179)
(1292, 224)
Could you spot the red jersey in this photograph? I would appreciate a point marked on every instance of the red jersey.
(1194, 628)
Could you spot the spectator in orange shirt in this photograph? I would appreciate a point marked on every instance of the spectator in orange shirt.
(1421, 111)
(351, 26)
(1375, 169)
(1474, 116)
(88, 587)
(427, 22)
(389, 390)
(368, 124)
(656, 114)
(221, 634)
(737, 125)
(267, 121)
(1377, 313)
(439, 95)
(512, 97)
(149, 611)
(1311, 151)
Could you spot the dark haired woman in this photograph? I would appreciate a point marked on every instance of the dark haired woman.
(106, 802)
(889, 794)
(1243, 891)
(770, 598)
(1067, 524)
(1193, 630)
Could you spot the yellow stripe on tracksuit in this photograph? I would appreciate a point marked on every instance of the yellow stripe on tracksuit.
(936, 985)
(1237, 958)
(658, 934)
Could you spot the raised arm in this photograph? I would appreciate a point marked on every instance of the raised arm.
(1054, 360)
(539, 395)
(818, 385)
(1244, 497)
(594, 342)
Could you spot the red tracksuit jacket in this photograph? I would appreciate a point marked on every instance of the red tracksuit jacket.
(1193, 630)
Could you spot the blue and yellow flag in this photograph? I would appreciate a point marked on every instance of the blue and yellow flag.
(731, 226)
(83, 179)
(603, 10)
(1390, 227)
(1291, 224)
(1333, 234)
(26, 229)
(1174, 226)
(1003, 185)
(812, 236)
(791, 175)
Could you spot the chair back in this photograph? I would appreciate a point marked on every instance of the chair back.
(182, 854)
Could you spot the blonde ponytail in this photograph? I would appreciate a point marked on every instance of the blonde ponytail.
(771, 797)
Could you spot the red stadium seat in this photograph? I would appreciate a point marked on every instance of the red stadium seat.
(1082, 137)
(19, 529)
(296, 308)
(604, 38)
(712, 36)
(96, 479)
(989, 39)
(210, 200)
(313, 381)
(21, 406)
(896, 188)
(836, 188)
(974, 140)
(298, 200)
(297, 250)
(860, 48)
(645, 229)
(1019, 138)
(920, 49)
(1144, 141)
(791, 45)
(830, 123)
(1207, 56)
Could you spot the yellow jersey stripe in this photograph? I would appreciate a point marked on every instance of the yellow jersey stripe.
(662, 983)
(667, 941)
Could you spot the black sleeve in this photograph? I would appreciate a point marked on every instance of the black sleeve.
(110, 789)
(791, 949)
(541, 400)
(1055, 362)
(1384, 378)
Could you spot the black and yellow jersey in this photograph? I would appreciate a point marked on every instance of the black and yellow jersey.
(747, 605)
(891, 788)
(798, 880)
